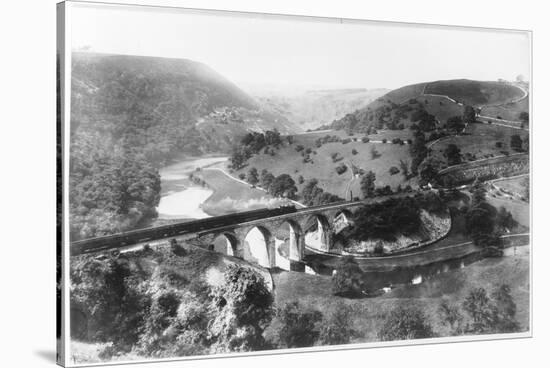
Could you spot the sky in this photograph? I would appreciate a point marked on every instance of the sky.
(261, 51)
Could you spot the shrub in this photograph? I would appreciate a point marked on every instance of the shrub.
(340, 169)
(405, 323)
(243, 306)
(384, 140)
(298, 326)
(354, 151)
(393, 170)
(338, 327)
(365, 139)
(348, 278)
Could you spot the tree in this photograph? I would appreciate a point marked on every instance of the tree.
(266, 179)
(478, 307)
(299, 327)
(452, 153)
(374, 154)
(405, 323)
(450, 315)
(524, 117)
(354, 151)
(283, 186)
(243, 306)
(300, 179)
(428, 170)
(393, 170)
(368, 184)
(338, 327)
(469, 115)
(312, 195)
(252, 176)
(404, 166)
(455, 124)
(418, 151)
(504, 310)
(348, 278)
(478, 192)
(504, 219)
(516, 143)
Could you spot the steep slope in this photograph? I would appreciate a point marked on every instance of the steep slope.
(172, 102)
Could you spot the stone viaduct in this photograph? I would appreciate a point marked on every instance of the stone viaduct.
(280, 241)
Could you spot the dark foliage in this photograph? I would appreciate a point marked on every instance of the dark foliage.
(299, 327)
(405, 323)
(313, 195)
(348, 279)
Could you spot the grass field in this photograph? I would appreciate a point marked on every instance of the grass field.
(288, 160)
(508, 111)
(479, 140)
(475, 93)
(231, 196)
(441, 107)
(368, 313)
(520, 210)
(513, 185)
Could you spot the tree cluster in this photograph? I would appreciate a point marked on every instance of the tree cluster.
(253, 143)
(313, 195)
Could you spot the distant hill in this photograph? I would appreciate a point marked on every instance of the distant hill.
(314, 108)
(173, 102)
(402, 107)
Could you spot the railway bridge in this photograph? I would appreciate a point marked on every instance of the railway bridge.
(280, 241)
(270, 238)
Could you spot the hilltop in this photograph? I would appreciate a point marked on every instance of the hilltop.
(180, 104)
(402, 107)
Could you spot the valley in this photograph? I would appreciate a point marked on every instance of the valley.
(195, 200)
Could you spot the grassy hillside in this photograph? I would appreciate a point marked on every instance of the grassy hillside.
(475, 93)
(322, 167)
(368, 313)
(479, 141)
(397, 108)
(509, 111)
(232, 196)
(176, 104)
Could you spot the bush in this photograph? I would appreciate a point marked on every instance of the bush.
(384, 140)
(243, 309)
(393, 170)
(298, 326)
(340, 169)
(365, 139)
(338, 327)
(354, 151)
(347, 280)
(405, 323)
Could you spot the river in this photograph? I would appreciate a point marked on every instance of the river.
(180, 197)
